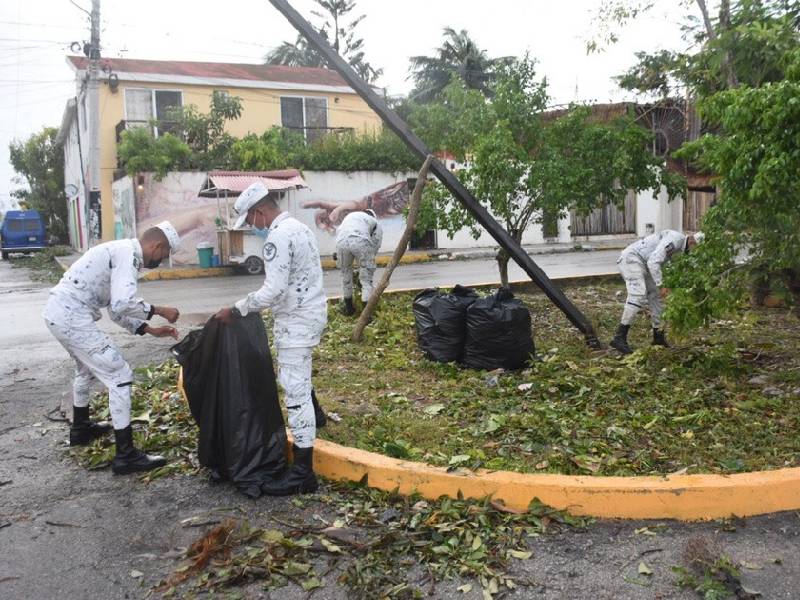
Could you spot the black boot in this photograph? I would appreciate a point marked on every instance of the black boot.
(83, 431)
(130, 459)
(319, 415)
(299, 479)
(347, 307)
(659, 338)
(620, 341)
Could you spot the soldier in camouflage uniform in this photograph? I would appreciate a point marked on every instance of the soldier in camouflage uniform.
(293, 291)
(641, 266)
(106, 277)
(358, 237)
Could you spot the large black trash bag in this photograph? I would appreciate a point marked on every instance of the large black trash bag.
(498, 333)
(230, 383)
(441, 321)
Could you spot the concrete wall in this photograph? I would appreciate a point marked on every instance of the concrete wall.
(657, 214)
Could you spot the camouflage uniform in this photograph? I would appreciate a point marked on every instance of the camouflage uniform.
(359, 236)
(104, 277)
(640, 265)
(293, 291)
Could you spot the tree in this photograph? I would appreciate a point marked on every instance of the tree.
(745, 44)
(525, 167)
(188, 139)
(40, 164)
(756, 154)
(339, 29)
(458, 56)
(744, 77)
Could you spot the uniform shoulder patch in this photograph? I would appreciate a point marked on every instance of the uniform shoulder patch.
(137, 263)
(270, 251)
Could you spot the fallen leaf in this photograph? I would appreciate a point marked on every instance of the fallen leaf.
(464, 589)
(520, 554)
(524, 387)
(644, 569)
(136, 574)
(330, 546)
(751, 566)
(433, 409)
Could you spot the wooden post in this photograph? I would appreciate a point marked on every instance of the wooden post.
(413, 211)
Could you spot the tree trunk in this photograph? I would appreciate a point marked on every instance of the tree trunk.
(411, 221)
(724, 24)
(502, 265)
(791, 278)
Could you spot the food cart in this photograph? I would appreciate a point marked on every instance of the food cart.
(242, 247)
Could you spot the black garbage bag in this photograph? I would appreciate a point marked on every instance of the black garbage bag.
(498, 333)
(233, 396)
(441, 321)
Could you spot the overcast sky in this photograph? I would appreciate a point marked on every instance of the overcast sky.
(35, 35)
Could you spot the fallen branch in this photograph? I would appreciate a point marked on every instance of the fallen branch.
(413, 211)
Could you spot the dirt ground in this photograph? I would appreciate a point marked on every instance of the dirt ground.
(70, 533)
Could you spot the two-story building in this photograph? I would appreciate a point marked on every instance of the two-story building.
(134, 92)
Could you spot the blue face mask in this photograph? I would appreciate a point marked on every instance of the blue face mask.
(260, 232)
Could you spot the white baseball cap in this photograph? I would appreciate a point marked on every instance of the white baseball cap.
(172, 235)
(254, 194)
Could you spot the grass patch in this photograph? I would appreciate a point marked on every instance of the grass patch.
(724, 399)
(43, 265)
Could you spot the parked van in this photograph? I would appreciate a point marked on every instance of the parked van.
(22, 231)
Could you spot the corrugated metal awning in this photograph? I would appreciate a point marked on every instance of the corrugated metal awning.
(234, 183)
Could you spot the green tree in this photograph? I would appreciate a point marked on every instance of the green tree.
(526, 168)
(756, 225)
(338, 27)
(458, 56)
(205, 133)
(39, 163)
(139, 152)
(746, 43)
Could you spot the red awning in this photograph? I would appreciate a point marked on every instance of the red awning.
(235, 182)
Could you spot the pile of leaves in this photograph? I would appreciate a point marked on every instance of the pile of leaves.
(161, 420)
(43, 264)
(722, 399)
(378, 544)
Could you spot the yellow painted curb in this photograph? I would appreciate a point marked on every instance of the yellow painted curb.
(682, 497)
(187, 273)
(382, 260)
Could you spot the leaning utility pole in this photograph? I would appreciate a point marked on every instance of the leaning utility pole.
(447, 178)
(93, 110)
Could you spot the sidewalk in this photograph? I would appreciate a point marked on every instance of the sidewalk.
(410, 257)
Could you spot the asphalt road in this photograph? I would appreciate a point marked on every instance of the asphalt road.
(22, 301)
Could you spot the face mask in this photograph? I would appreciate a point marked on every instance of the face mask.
(261, 232)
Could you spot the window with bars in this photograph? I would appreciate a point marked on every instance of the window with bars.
(309, 115)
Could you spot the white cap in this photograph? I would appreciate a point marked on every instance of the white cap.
(699, 236)
(254, 194)
(172, 235)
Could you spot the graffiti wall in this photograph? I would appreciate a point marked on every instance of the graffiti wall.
(332, 194)
(175, 199)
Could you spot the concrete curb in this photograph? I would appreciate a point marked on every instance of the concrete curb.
(682, 497)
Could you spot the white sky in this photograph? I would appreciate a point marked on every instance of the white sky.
(35, 81)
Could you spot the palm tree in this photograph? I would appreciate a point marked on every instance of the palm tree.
(299, 54)
(458, 55)
(344, 41)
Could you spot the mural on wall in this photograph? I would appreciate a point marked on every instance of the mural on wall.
(333, 195)
(124, 209)
(175, 199)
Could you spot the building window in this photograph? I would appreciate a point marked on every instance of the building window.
(143, 105)
(306, 114)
